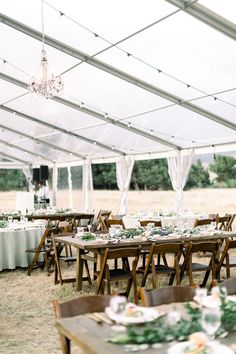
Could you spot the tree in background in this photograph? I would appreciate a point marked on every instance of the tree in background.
(147, 175)
(104, 176)
(12, 180)
(198, 177)
(225, 169)
(150, 175)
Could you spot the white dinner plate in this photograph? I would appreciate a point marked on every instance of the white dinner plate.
(214, 348)
(231, 298)
(101, 240)
(145, 315)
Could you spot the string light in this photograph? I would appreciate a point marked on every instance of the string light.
(111, 45)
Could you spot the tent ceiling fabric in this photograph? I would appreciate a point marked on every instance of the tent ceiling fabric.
(140, 79)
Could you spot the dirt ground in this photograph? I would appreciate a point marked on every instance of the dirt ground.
(26, 312)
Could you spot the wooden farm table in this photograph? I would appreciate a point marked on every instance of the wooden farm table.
(60, 216)
(44, 216)
(98, 248)
(92, 337)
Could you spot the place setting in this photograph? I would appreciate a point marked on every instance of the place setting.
(189, 329)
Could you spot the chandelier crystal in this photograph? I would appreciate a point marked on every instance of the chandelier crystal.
(47, 85)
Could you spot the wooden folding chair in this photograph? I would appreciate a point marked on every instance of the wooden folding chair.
(144, 223)
(102, 216)
(202, 222)
(232, 217)
(111, 222)
(58, 248)
(222, 222)
(43, 248)
(194, 248)
(83, 220)
(79, 306)
(106, 274)
(166, 295)
(225, 260)
(230, 285)
(172, 249)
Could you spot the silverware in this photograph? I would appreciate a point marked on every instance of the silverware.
(103, 318)
(95, 318)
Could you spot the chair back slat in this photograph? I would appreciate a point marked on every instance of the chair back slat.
(202, 222)
(157, 223)
(208, 246)
(82, 305)
(122, 252)
(166, 248)
(166, 295)
(230, 285)
(111, 222)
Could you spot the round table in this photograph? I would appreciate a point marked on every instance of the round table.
(14, 242)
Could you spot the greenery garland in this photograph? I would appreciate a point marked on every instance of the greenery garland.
(161, 330)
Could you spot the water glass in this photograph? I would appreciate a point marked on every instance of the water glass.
(118, 303)
(214, 225)
(211, 320)
(80, 230)
(201, 294)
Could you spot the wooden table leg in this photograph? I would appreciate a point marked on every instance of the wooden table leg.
(79, 270)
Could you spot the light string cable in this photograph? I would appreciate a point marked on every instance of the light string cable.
(151, 131)
(112, 116)
(111, 45)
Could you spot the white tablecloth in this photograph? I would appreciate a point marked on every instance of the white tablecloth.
(13, 245)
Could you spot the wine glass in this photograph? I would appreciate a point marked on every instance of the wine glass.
(10, 218)
(89, 227)
(173, 316)
(149, 228)
(214, 225)
(211, 320)
(112, 231)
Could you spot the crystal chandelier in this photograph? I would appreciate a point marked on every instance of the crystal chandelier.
(47, 85)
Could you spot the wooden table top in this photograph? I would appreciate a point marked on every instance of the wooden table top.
(93, 244)
(57, 216)
(92, 337)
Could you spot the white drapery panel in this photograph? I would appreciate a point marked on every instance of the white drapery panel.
(70, 187)
(124, 168)
(87, 186)
(54, 185)
(178, 169)
(28, 172)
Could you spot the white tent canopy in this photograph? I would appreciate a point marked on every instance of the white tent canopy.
(140, 78)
